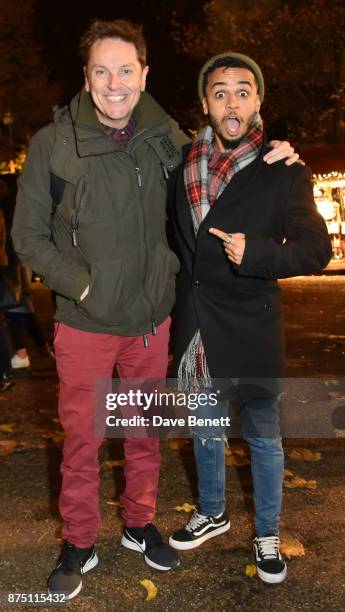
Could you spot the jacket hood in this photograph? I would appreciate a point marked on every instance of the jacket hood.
(150, 118)
(89, 133)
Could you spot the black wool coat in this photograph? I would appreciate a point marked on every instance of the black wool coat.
(238, 309)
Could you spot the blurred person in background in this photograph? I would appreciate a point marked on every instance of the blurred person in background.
(21, 317)
(5, 348)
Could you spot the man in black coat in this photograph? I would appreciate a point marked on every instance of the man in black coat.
(240, 224)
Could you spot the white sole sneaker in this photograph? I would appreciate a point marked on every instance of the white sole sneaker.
(132, 544)
(74, 593)
(89, 565)
(271, 578)
(156, 566)
(195, 543)
(137, 547)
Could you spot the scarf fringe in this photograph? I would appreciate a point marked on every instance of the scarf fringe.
(193, 373)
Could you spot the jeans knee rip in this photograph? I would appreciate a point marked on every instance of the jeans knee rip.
(204, 441)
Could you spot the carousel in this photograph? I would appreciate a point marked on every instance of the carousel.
(327, 163)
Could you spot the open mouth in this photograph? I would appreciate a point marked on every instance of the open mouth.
(232, 125)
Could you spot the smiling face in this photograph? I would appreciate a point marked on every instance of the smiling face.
(231, 101)
(114, 78)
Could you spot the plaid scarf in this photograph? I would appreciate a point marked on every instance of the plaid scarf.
(204, 183)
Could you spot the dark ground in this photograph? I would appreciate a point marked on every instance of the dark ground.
(213, 576)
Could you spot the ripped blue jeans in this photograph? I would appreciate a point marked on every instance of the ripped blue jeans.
(259, 419)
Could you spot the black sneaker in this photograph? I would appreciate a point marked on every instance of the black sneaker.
(6, 381)
(199, 529)
(149, 541)
(269, 563)
(72, 563)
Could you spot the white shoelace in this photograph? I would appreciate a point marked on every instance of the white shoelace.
(196, 521)
(268, 547)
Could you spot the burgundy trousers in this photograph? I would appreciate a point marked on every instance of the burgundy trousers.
(82, 358)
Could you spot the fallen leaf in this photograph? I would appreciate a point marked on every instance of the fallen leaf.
(114, 502)
(331, 382)
(304, 454)
(250, 570)
(295, 482)
(291, 547)
(56, 420)
(302, 401)
(7, 427)
(311, 484)
(185, 508)
(116, 463)
(7, 447)
(300, 483)
(237, 461)
(151, 589)
(178, 443)
(288, 473)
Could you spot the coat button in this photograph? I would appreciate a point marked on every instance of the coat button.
(267, 307)
(196, 283)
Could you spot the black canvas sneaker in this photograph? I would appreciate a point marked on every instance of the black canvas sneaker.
(269, 563)
(199, 529)
(72, 563)
(6, 381)
(148, 540)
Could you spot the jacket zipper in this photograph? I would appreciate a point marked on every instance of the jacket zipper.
(79, 201)
(153, 322)
(138, 177)
(165, 171)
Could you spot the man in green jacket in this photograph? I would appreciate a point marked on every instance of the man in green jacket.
(101, 167)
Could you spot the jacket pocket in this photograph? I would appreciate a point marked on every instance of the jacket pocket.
(160, 281)
(105, 299)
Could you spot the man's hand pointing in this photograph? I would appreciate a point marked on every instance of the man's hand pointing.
(234, 244)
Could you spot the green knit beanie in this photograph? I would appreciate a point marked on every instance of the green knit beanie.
(252, 66)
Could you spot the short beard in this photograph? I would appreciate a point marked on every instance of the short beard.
(226, 142)
(230, 144)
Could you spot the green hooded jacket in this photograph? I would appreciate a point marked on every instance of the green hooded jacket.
(108, 231)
